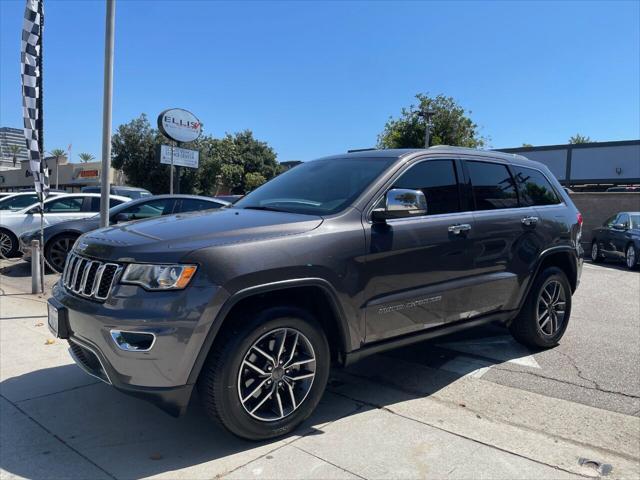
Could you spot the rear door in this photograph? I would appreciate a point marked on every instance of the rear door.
(418, 270)
(505, 244)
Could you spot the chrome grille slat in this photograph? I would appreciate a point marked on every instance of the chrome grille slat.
(86, 277)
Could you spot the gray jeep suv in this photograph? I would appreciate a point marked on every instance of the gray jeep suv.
(333, 260)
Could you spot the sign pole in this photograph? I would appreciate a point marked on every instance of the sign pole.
(110, 21)
(171, 174)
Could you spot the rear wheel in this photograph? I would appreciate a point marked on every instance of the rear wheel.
(8, 243)
(545, 314)
(631, 257)
(596, 256)
(266, 376)
(57, 250)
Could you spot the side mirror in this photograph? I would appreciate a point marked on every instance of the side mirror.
(619, 226)
(122, 217)
(35, 210)
(401, 203)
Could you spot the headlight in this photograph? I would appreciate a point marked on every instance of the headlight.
(159, 277)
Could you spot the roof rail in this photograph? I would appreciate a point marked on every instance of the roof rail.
(361, 150)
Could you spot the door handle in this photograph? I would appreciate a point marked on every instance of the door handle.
(459, 228)
(530, 221)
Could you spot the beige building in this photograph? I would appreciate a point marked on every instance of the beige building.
(70, 177)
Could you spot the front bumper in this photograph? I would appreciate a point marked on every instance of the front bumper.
(179, 320)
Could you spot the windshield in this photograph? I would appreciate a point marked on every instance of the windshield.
(320, 187)
(635, 221)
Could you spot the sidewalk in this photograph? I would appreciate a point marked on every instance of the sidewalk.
(379, 419)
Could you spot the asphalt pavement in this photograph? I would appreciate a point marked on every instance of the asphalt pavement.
(471, 405)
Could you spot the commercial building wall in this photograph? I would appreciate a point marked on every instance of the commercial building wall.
(608, 163)
(596, 207)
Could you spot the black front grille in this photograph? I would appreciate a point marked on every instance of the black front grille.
(89, 278)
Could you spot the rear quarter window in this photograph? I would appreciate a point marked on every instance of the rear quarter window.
(534, 187)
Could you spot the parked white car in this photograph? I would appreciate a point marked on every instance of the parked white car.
(56, 209)
(18, 200)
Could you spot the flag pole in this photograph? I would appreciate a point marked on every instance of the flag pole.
(106, 112)
(40, 127)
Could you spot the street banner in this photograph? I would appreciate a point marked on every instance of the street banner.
(182, 157)
(31, 73)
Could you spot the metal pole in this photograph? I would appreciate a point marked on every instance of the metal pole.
(106, 112)
(35, 266)
(57, 168)
(426, 134)
(171, 175)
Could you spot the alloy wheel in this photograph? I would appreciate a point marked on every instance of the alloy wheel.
(276, 374)
(631, 256)
(58, 252)
(594, 251)
(6, 244)
(551, 308)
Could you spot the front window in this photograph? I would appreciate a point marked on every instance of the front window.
(320, 187)
(19, 202)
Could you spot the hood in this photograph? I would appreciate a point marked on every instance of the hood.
(169, 237)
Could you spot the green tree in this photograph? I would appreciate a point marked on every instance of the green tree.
(451, 125)
(133, 147)
(577, 138)
(253, 180)
(86, 157)
(527, 145)
(224, 162)
(57, 153)
(15, 150)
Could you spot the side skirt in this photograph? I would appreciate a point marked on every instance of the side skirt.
(377, 347)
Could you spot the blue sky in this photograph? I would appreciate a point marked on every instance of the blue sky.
(319, 78)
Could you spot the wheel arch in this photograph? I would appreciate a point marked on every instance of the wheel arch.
(314, 294)
(565, 258)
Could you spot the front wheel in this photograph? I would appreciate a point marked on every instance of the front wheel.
(57, 249)
(266, 376)
(545, 315)
(631, 258)
(596, 256)
(8, 244)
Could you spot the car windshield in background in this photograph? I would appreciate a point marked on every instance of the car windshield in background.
(320, 187)
(635, 221)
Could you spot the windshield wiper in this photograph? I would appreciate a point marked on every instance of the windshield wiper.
(269, 209)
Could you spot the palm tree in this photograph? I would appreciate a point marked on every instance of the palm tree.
(57, 153)
(15, 151)
(86, 157)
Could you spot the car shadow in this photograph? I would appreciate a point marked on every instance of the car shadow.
(129, 438)
(612, 264)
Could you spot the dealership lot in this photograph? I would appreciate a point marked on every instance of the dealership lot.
(475, 405)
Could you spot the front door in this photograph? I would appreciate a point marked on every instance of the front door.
(618, 236)
(418, 268)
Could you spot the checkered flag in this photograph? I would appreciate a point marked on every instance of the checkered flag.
(31, 63)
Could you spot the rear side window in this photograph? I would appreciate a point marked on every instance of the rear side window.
(194, 205)
(437, 180)
(493, 187)
(64, 205)
(534, 187)
(153, 208)
(95, 203)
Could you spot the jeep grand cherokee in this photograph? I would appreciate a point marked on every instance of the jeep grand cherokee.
(332, 260)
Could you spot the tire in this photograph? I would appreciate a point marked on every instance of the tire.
(226, 375)
(531, 327)
(596, 255)
(8, 243)
(56, 250)
(631, 257)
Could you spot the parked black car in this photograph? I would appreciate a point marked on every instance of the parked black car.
(59, 238)
(618, 239)
(330, 261)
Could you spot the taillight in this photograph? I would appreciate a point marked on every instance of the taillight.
(579, 219)
(579, 234)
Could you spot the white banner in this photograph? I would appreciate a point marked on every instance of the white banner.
(181, 156)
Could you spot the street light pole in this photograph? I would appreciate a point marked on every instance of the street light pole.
(427, 114)
(106, 112)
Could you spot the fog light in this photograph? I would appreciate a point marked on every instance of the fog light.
(133, 341)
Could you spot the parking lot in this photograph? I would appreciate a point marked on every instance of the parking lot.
(473, 405)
